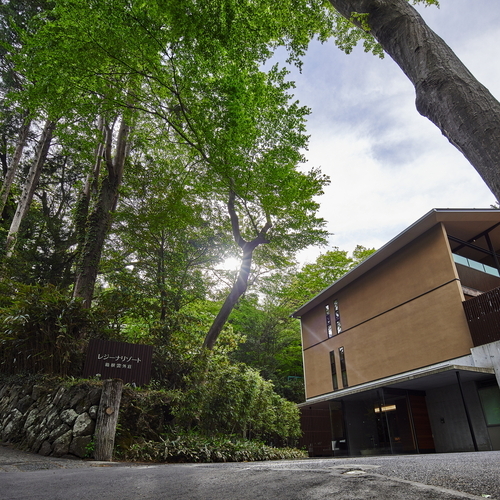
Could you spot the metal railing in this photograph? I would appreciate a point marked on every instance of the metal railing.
(483, 317)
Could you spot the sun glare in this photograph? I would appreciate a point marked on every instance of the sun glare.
(231, 264)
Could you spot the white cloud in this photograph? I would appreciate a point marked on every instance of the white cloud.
(389, 165)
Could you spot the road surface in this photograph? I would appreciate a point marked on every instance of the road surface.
(410, 477)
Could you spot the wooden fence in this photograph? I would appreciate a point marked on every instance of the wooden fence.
(483, 316)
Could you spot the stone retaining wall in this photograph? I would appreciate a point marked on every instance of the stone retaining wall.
(54, 421)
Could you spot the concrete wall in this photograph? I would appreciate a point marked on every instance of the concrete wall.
(449, 421)
(404, 314)
(488, 355)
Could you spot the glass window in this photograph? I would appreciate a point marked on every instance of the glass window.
(460, 260)
(338, 326)
(334, 371)
(491, 270)
(329, 330)
(475, 265)
(343, 368)
(490, 400)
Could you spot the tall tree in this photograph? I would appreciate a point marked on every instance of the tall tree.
(99, 220)
(31, 183)
(44, 248)
(10, 167)
(446, 92)
(167, 230)
(282, 216)
(15, 17)
(189, 70)
(241, 284)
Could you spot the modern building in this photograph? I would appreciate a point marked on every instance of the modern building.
(402, 354)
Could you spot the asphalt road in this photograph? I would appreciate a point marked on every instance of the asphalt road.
(422, 477)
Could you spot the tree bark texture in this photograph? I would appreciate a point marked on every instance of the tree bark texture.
(14, 164)
(241, 284)
(107, 418)
(90, 189)
(99, 220)
(446, 92)
(30, 184)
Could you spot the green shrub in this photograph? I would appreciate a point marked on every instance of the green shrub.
(233, 399)
(144, 415)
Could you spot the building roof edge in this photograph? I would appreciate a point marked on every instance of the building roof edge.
(425, 222)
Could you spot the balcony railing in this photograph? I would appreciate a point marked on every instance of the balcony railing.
(483, 316)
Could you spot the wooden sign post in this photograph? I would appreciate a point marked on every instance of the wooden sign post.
(107, 418)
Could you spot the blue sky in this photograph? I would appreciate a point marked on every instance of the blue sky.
(389, 165)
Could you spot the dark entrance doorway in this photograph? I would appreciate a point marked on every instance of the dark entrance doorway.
(403, 422)
(378, 422)
(339, 438)
(395, 433)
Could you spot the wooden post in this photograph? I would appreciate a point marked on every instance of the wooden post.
(107, 418)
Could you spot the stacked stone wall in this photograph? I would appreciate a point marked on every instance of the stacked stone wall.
(56, 421)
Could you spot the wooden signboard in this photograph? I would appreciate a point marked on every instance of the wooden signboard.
(130, 362)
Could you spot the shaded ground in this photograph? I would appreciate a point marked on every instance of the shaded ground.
(409, 477)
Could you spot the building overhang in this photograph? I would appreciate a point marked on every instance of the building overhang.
(465, 222)
(438, 375)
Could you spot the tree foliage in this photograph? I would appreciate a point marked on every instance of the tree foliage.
(174, 68)
(297, 287)
(171, 148)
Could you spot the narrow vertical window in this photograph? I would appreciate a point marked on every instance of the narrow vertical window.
(334, 371)
(338, 326)
(343, 369)
(329, 329)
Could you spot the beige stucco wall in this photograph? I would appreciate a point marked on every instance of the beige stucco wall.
(403, 314)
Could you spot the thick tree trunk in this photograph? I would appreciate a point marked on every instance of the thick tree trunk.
(446, 92)
(99, 221)
(89, 190)
(30, 184)
(240, 287)
(14, 164)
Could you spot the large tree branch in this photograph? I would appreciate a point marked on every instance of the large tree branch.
(446, 92)
(122, 149)
(98, 222)
(261, 238)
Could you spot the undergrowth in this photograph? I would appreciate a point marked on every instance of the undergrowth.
(196, 448)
